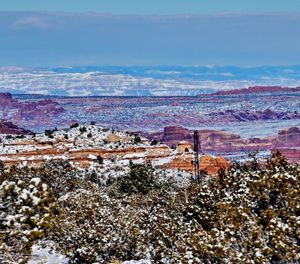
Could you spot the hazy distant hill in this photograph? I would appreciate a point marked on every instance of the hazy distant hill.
(142, 81)
(259, 89)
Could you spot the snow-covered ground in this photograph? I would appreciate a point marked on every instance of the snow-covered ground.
(46, 255)
(97, 82)
(90, 149)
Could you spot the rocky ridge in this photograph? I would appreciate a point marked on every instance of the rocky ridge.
(10, 128)
(32, 113)
(257, 89)
(100, 149)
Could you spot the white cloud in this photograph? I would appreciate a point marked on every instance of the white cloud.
(33, 21)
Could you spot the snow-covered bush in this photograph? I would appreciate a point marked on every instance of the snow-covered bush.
(248, 214)
(60, 176)
(26, 212)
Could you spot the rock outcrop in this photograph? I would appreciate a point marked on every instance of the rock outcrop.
(184, 147)
(12, 129)
(5, 98)
(213, 141)
(212, 165)
(176, 133)
(209, 164)
(113, 138)
(288, 137)
(29, 114)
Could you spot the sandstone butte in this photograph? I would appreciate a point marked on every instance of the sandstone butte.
(210, 164)
(287, 141)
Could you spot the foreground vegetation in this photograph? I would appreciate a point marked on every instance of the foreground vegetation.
(249, 214)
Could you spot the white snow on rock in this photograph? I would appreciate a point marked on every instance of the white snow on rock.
(46, 255)
(143, 261)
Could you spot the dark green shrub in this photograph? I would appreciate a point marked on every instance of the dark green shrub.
(74, 125)
(137, 139)
(139, 180)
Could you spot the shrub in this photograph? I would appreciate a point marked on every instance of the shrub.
(82, 130)
(60, 176)
(139, 180)
(248, 214)
(137, 139)
(27, 212)
(99, 159)
(74, 125)
(154, 142)
(2, 167)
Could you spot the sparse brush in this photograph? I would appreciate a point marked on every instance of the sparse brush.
(249, 213)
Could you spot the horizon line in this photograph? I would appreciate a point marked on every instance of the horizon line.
(198, 14)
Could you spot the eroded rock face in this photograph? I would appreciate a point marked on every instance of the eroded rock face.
(29, 114)
(5, 98)
(181, 163)
(288, 137)
(213, 141)
(177, 133)
(212, 165)
(82, 151)
(184, 147)
(247, 115)
(290, 153)
(12, 129)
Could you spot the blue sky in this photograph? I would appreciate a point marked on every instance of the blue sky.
(138, 32)
(158, 7)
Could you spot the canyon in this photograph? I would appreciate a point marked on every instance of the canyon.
(250, 115)
(231, 124)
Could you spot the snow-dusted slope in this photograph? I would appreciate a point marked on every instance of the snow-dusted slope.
(92, 84)
(92, 149)
(137, 81)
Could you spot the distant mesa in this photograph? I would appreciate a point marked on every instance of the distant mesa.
(29, 114)
(289, 137)
(257, 89)
(9, 128)
(5, 97)
(291, 154)
(175, 133)
(232, 115)
(213, 141)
